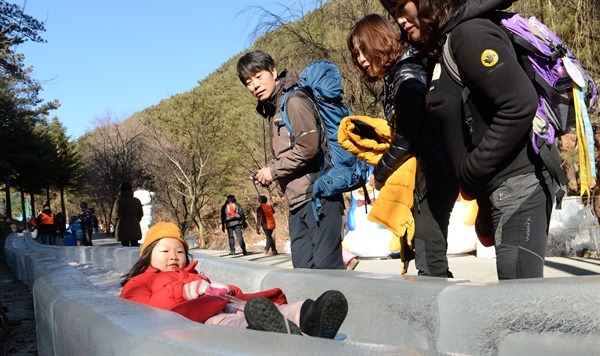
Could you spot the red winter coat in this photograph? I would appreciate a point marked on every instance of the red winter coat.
(164, 290)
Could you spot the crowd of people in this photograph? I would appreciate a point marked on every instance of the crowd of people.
(491, 163)
(51, 227)
(126, 216)
(480, 150)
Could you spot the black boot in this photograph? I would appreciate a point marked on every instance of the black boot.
(262, 314)
(324, 317)
(244, 251)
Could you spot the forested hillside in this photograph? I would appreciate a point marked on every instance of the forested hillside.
(194, 145)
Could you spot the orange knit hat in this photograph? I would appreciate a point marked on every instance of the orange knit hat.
(160, 231)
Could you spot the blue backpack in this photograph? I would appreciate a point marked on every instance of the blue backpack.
(340, 170)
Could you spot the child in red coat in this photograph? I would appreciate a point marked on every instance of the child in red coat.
(163, 277)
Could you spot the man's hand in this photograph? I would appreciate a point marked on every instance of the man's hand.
(264, 177)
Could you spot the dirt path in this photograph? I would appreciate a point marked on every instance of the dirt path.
(17, 318)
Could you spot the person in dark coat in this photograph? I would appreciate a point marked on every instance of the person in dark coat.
(86, 218)
(61, 226)
(126, 216)
(489, 149)
(380, 54)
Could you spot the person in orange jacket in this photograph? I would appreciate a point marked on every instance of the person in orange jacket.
(165, 278)
(266, 220)
(46, 226)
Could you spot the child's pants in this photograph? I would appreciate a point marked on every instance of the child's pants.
(233, 315)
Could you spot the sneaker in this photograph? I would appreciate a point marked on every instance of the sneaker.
(274, 252)
(266, 252)
(324, 317)
(261, 314)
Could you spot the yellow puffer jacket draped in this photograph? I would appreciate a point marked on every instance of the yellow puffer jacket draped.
(368, 138)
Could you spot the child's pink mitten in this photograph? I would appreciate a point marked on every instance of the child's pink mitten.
(194, 289)
(217, 288)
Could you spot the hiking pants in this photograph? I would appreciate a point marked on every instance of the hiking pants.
(269, 243)
(240, 237)
(87, 236)
(317, 245)
(520, 210)
(51, 238)
(130, 243)
(233, 315)
(432, 216)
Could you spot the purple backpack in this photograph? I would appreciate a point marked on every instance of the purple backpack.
(554, 70)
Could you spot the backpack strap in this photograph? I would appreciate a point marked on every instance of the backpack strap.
(452, 69)
(552, 161)
(284, 116)
(324, 151)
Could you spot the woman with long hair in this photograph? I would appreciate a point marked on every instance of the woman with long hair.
(485, 125)
(379, 53)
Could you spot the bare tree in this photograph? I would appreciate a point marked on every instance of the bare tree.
(112, 155)
(187, 174)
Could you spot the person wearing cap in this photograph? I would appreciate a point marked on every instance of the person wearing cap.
(165, 277)
(126, 216)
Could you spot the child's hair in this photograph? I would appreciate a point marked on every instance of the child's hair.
(144, 262)
(380, 43)
(252, 63)
(263, 199)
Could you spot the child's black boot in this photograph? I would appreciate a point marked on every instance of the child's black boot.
(324, 317)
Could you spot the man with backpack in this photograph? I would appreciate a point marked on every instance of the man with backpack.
(233, 218)
(296, 161)
(86, 218)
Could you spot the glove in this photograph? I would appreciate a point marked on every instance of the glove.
(198, 288)
(223, 228)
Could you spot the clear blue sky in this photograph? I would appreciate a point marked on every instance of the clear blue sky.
(122, 56)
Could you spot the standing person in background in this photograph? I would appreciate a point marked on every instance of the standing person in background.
(489, 150)
(61, 222)
(233, 218)
(86, 219)
(75, 229)
(266, 220)
(295, 164)
(127, 214)
(380, 54)
(46, 226)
